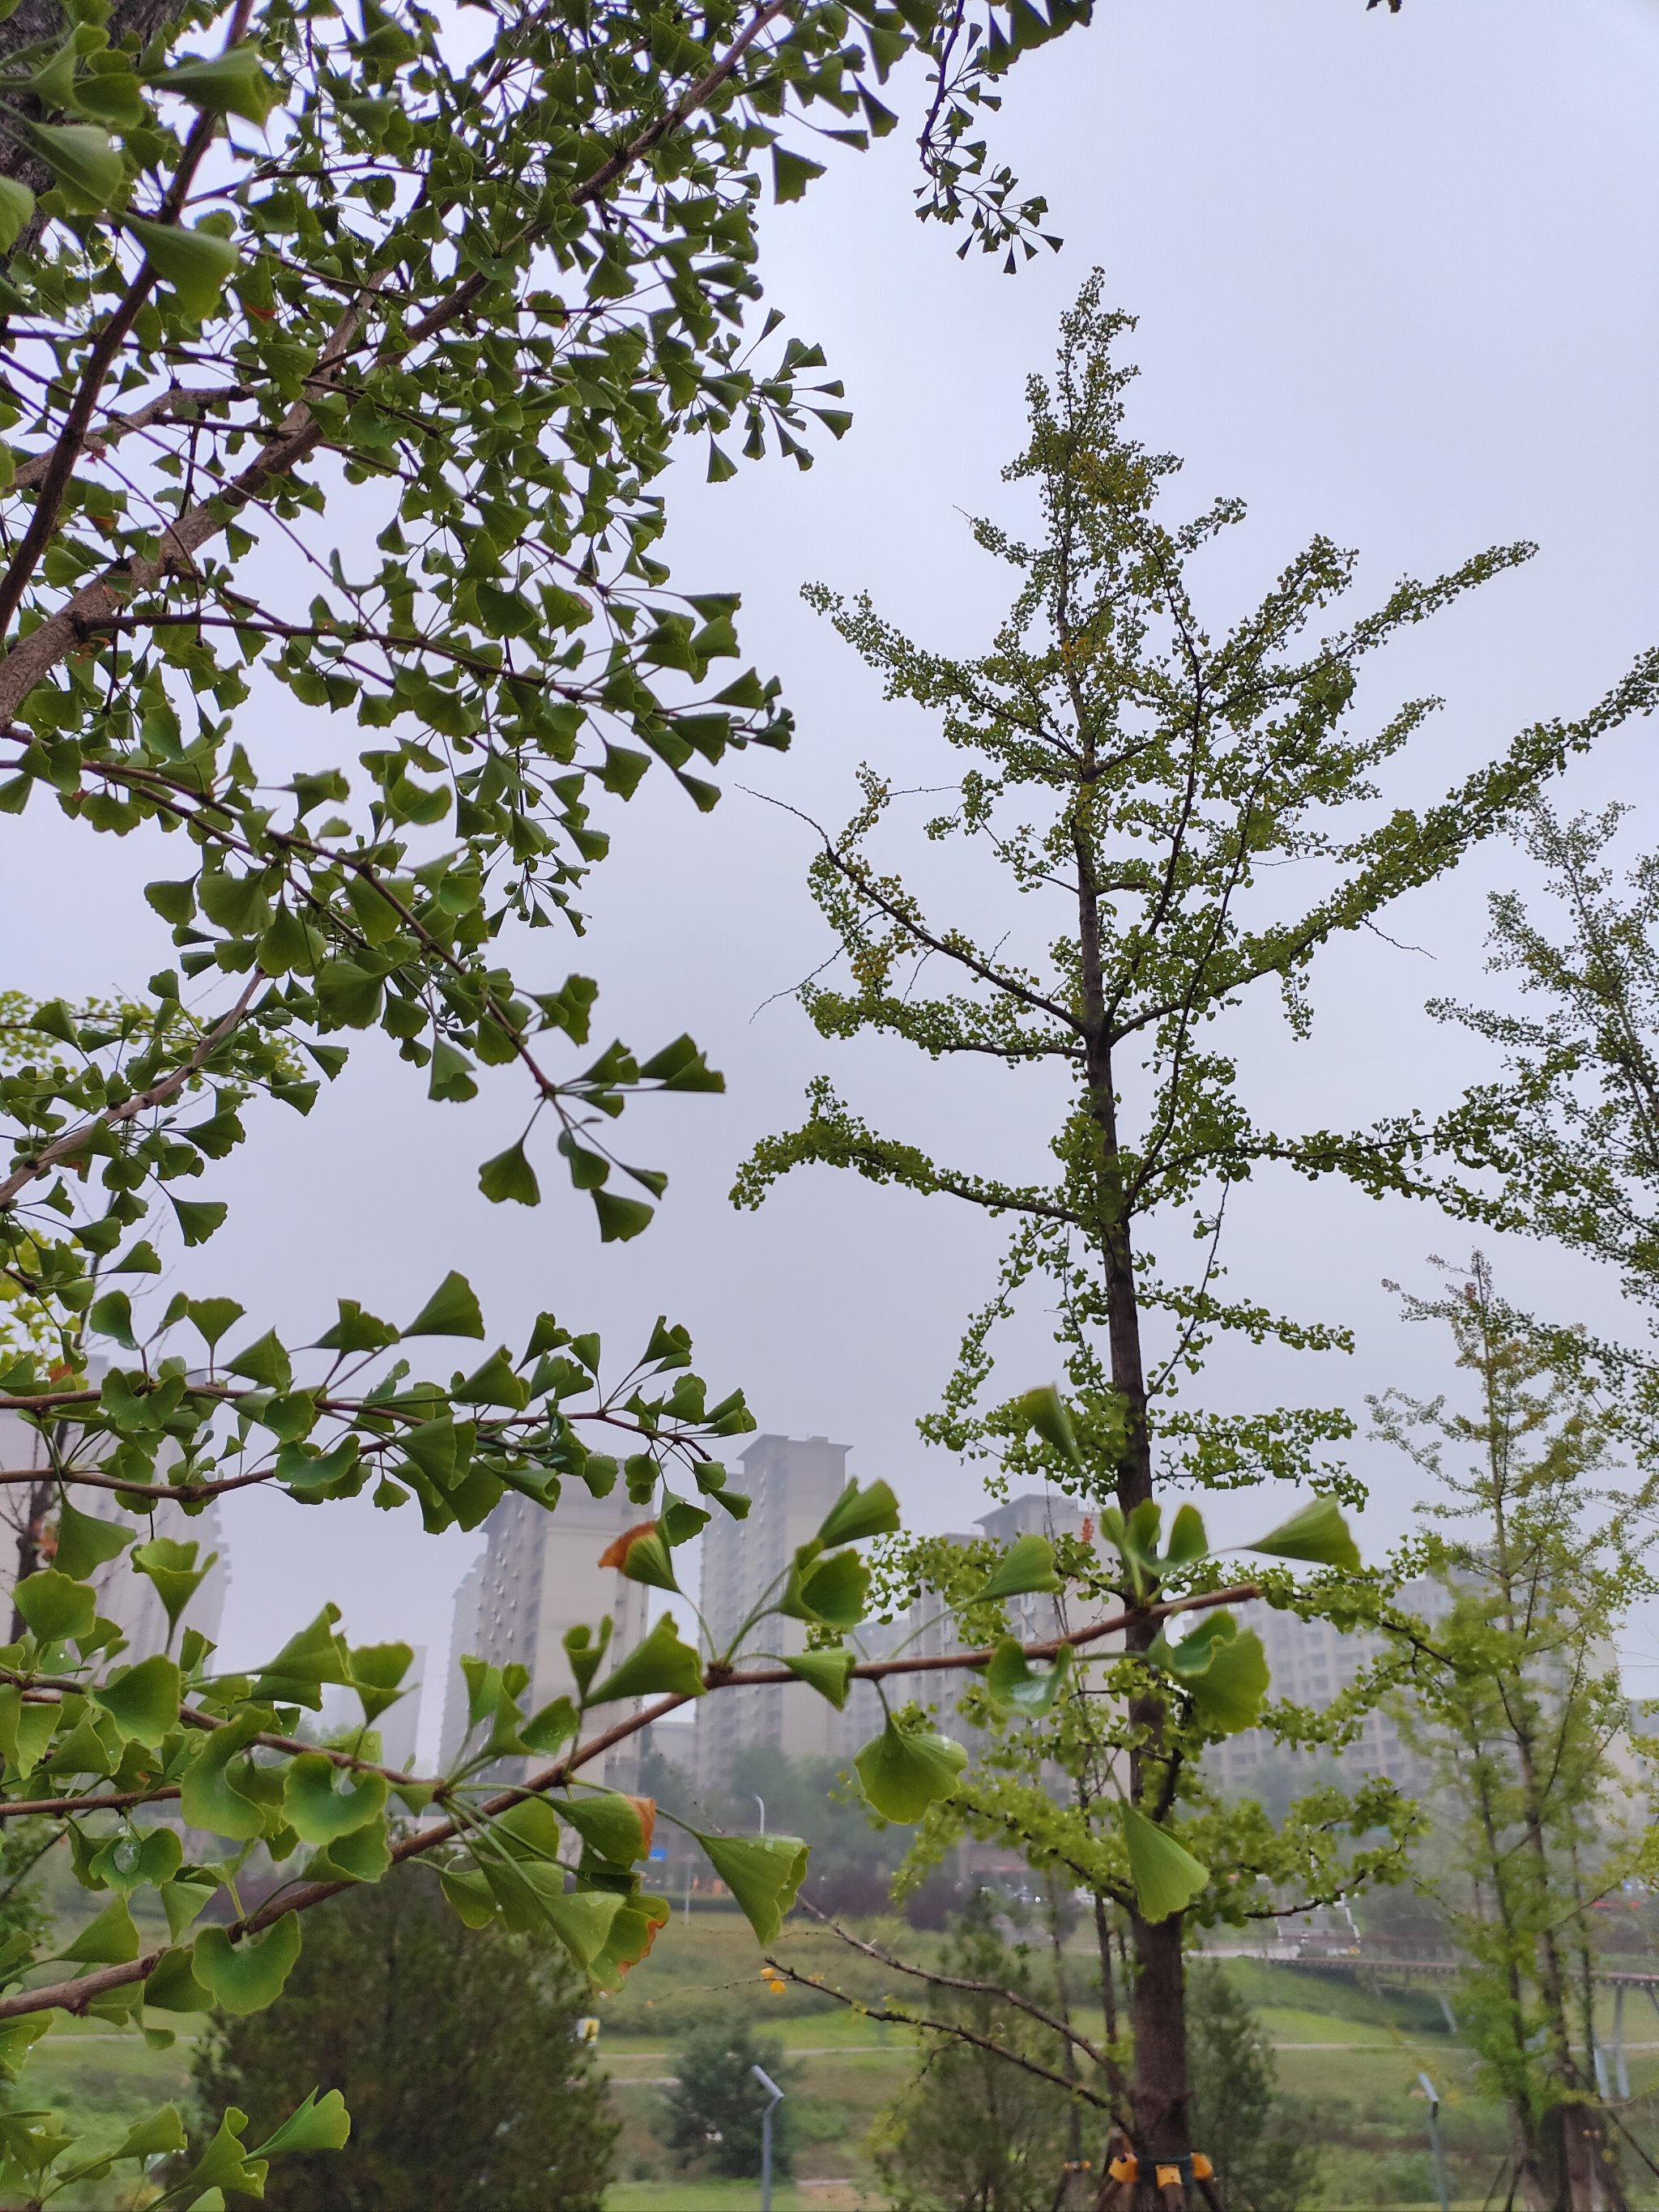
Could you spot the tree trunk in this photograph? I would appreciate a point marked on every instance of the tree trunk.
(1160, 2095)
(1072, 2179)
(42, 1498)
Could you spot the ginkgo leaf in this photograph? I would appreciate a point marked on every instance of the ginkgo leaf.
(232, 83)
(1166, 1875)
(195, 263)
(857, 1514)
(16, 211)
(321, 1801)
(81, 157)
(1318, 1533)
(1044, 1410)
(111, 1940)
(247, 1977)
(54, 1606)
(661, 1665)
(763, 1872)
(320, 2123)
(829, 1672)
(1028, 1565)
(1018, 1686)
(903, 1774)
(142, 1701)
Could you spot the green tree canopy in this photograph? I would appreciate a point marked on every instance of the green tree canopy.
(1160, 821)
(712, 2114)
(457, 2056)
(345, 351)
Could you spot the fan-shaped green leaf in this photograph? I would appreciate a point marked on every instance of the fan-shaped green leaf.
(247, 1977)
(111, 1940)
(836, 1591)
(858, 1513)
(225, 2163)
(86, 1543)
(54, 1606)
(1188, 1540)
(231, 83)
(829, 1672)
(581, 1918)
(1044, 1410)
(554, 1724)
(1166, 1875)
(195, 263)
(158, 2135)
(320, 2123)
(509, 1174)
(363, 1855)
(208, 1796)
(142, 1701)
(185, 1898)
(1027, 1565)
(470, 1895)
(660, 1666)
(321, 1801)
(451, 1310)
(763, 1872)
(609, 1823)
(377, 1674)
(902, 1775)
(1228, 1694)
(81, 157)
(171, 1986)
(1018, 1686)
(647, 1559)
(126, 1862)
(171, 1566)
(1318, 1532)
(16, 211)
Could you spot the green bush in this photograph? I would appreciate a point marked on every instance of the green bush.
(714, 2112)
(455, 2053)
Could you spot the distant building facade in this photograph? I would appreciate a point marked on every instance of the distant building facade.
(128, 1598)
(1311, 1662)
(791, 1483)
(1036, 1616)
(540, 1575)
(463, 1639)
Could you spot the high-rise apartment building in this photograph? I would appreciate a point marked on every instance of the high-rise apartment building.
(1035, 1616)
(791, 1482)
(463, 1639)
(1310, 1663)
(540, 1575)
(128, 1598)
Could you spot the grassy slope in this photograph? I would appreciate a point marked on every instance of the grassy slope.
(1349, 2055)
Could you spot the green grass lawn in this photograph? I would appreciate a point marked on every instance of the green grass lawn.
(1349, 2056)
(733, 2196)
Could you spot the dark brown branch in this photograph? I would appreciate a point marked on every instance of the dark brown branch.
(66, 1146)
(1037, 2012)
(75, 1996)
(885, 2011)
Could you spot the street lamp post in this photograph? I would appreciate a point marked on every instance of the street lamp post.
(774, 2098)
(760, 1801)
(1433, 2096)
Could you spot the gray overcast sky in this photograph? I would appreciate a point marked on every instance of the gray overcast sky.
(1395, 279)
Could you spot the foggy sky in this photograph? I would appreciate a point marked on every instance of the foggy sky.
(1395, 279)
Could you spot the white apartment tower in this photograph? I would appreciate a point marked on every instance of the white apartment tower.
(791, 1482)
(128, 1598)
(539, 1577)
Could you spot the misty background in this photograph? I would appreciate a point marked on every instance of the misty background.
(1395, 279)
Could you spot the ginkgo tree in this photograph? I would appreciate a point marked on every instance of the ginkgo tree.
(1164, 824)
(344, 350)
